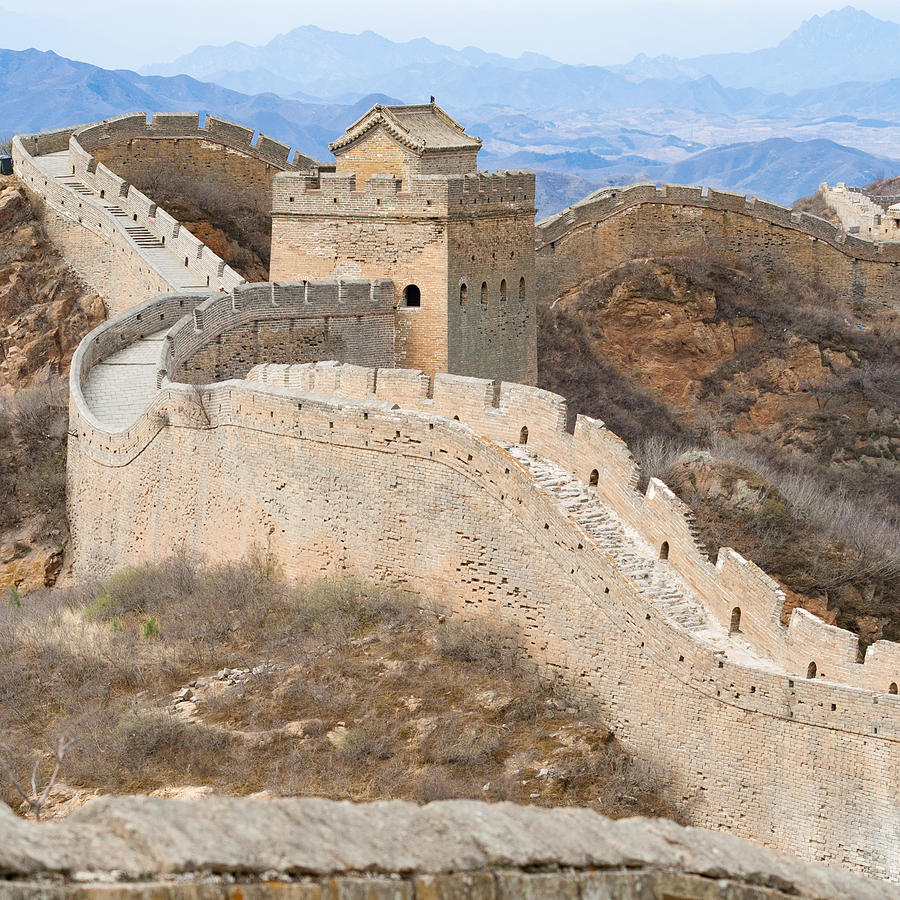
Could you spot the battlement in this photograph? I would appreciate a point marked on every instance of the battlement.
(738, 597)
(336, 194)
(188, 126)
(272, 301)
(659, 516)
(607, 202)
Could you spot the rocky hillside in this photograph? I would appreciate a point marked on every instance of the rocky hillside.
(44, 313)
(768, 403)
(193, 680)
(44, 308)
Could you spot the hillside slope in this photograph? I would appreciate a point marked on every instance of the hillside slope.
(766, 402)
(44, 313)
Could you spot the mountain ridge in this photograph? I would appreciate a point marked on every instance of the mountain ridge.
(820, 53)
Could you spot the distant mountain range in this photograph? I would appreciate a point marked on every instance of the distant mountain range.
(843, 45)
(777, 169)
(329, 64)
(579, 126)
(846, 45)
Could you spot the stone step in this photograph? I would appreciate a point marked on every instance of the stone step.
(601, 524)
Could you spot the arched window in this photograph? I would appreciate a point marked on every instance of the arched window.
(484, 292)
(185, 262)
(664, 550)
(523, 435)
(811, 670)
(594, 480)
(463, 294)
(735, 620)
(502, 288)
(893, 688)
(412, 296)
(521, 288)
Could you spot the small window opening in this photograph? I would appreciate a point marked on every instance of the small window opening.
(594, 480)
(523, 435)
(664, 550)
(484, 292)
(735, 621)
(521, 288)
(463, 294)
(102, 194)
(412, 296)
(185, 262)
(135, 217)
(503, 289)
(893, 688)
(811, 670)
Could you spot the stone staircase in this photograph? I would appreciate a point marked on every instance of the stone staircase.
(634, 557)
(169, 266)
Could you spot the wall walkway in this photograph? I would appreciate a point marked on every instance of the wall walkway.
(434, 483)
(116, 238)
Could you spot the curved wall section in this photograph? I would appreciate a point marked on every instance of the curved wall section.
(614, 225)
(219, 159)
(346, 468)
(117, 239)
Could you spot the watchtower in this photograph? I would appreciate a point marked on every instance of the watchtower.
(406, 202)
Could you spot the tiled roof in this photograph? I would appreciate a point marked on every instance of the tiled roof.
(420, 128)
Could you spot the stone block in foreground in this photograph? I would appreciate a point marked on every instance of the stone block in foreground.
(314, 849)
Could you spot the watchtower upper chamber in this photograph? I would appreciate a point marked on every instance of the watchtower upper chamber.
(407, 202)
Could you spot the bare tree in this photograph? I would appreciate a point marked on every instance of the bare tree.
(37, 798)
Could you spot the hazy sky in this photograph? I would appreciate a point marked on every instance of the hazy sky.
(128, 33)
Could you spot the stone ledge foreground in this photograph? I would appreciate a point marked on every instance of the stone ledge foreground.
(140, 847)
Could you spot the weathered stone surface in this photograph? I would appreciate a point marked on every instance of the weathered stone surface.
(390, 851)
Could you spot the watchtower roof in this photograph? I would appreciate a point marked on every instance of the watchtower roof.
(419, 128)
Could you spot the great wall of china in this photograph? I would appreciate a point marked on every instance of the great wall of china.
(614, 225)
(479, 492)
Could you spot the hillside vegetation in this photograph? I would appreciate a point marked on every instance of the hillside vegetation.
(770, 405)
(227, 678)
(44, 312)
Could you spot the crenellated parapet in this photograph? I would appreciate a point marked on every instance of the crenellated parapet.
(614, 225)
(336, 194)
(187, 126)
(609, 202)
(117, 239)
(595, 456)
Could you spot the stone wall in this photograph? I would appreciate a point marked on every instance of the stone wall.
(319, 466)
(860, 215)
(219, 159)
(349, 320)
(614, 225)
(309, 849)
(439, 233)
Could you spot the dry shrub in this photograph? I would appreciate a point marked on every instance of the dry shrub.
(33, 456)
(368, 697)
(491, 649)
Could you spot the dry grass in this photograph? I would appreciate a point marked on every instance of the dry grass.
(829, 507)
(239, 235)
(33, 456)
(381, 699)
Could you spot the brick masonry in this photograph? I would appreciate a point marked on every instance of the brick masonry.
(473, 491)
(615, 225)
